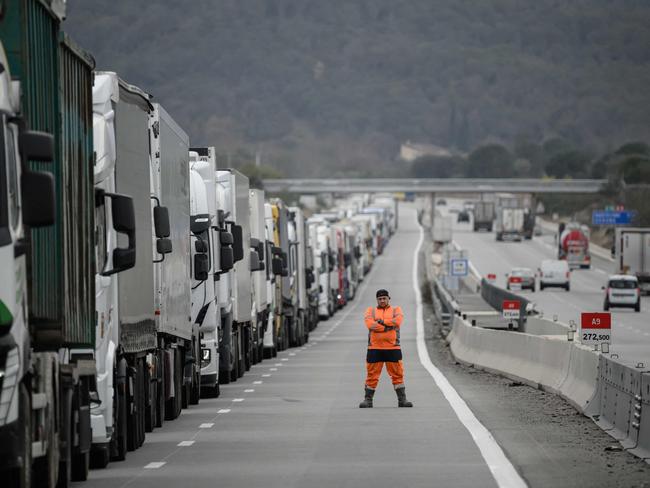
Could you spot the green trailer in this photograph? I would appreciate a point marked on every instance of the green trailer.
(51, 437)
(56, 81)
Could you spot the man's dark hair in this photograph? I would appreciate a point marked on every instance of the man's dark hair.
(382, 293)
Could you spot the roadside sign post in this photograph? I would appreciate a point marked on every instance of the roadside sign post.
(596, 328)
(458, 267)
(511, 310)
(515, 283)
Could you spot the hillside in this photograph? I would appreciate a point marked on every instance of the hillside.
(333, 87)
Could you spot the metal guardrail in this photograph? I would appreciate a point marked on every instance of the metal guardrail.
(495, 296)
(431, 185)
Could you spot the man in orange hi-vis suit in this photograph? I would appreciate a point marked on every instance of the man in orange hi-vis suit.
(384, 322)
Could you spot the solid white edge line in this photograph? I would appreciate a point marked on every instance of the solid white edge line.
(503, 471)
(155, 465)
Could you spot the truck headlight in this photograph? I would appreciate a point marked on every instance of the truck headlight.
(206, 356)
(9, 381)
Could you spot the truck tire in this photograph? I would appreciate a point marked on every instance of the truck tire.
(159, 387)
(100, 456)
(80, 466)
(120, 435)
(22, 477)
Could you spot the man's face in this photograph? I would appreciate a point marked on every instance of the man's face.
(382, 302)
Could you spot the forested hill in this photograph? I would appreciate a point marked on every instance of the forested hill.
(334, 86)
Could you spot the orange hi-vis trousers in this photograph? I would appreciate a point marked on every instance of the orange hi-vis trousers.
(394, 368)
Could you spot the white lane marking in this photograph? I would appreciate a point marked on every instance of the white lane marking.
(503, 471)
(237, 400)
(257, 382)
(223, 410)
(598, 270)
(292, 354)
(249, 390)
(185, 443)
(285, 359)
(277, 364)
(207, 425)
(273, 369)
(266, 376)
(155, 465)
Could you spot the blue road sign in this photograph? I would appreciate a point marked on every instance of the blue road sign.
(459, 267)
(612, 217)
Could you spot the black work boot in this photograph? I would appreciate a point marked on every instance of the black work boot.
(367, 402)
(401, 397)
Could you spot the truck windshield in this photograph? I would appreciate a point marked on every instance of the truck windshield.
(623, 284)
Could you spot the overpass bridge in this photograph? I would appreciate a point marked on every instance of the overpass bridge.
(431, 185)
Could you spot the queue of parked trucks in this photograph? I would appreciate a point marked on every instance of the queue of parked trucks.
(137, 274)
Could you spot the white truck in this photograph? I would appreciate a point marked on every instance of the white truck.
(323, 264)
(632, 248)
(233, 195)
(261, 272)
(509, 218)
(206, 262)
(125, 330)
(298, 272)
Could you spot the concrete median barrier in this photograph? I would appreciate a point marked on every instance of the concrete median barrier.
(547, 362)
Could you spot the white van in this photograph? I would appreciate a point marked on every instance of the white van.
(553, 272)
(622, 291)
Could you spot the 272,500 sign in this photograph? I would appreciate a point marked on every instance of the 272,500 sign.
(596, 328)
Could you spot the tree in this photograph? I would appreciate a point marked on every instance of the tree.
(491, 161)
(572, 163)
(634, 148)
(436, 167)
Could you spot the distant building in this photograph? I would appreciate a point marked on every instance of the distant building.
(411, 151)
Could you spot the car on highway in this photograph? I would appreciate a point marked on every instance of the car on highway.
(521, 279)
(622, 291)
(554, 272)
(463, 216)
(441, 202)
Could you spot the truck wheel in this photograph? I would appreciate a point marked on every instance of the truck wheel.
(150, 400)
(121, 427)
(100, 456)
(80, 466)
(567, 287)
(159, 388)
(66, 415)
(195, 394)
(22, 477)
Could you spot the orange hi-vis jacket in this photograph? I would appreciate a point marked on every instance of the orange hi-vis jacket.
(383, 336)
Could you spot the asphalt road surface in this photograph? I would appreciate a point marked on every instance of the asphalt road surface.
(294, 421)
(630, 330)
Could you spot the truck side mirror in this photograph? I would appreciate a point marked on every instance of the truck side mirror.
(37, 146)
(256, 264)
(39, 210)
(226, 238)
(276, 265)
(238, 242)
(123, 222)
(201, 246)
(226, 259)
(161, 221)
(201, 266)
(163, 246)
(199, 223)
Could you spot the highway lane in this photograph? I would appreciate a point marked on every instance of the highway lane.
(630, 330)
(294, 421)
